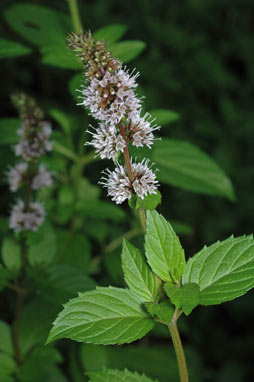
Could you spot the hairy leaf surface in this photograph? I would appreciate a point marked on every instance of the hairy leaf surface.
(163, 249)
(103, 316)
(223, 271)
(110, 375)
(185, 297)
(137, 274)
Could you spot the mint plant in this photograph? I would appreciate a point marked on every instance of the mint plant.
(161, 285)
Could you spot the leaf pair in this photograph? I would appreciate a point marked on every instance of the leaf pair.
(218, 273)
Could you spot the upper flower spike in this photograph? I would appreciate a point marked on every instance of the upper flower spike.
(93, 54)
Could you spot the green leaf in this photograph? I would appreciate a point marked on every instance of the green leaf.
(223, 271)
(98, 209)
(42, 252)
(110, 33)
(62, 282)
(185, 297)
(35, 322)
(60, 56)
(37, 24)
(11, 253)
(75, 85)
(73, 249)
(6, 344)
(164, 116)
(137, 273)
(40, 365)
(184, 165)
(7, 366)
(8, 131)
(163, 249)
(110, 375)
(10, 49)
(5, 276)
(102, 316)
(164, 311)
(150, 201)
(127, 50)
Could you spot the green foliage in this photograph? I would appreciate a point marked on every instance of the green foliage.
(6, 344)
(7, 366)
(164, 116)
(184, 297)
(163, 249)
(110, 33)
(8, 130)
(184, 165)
(43, 250)
(127, 50)
(223, 271)
(164, 311)
(39, 25)
(109, 375)
(150, 360)
(11, 253)
(138, 275)
(62, 282)
(114, 314)
(150, 201)
(9, 49)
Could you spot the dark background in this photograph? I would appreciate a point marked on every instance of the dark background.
(199, 63)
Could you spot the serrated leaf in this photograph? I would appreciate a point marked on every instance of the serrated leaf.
(127, 50)
(164, 252)
(110, 375)
(110, 33)
(6, 343)
(11, 253)
(8, 130)
(137, 273)
(165, 311)
(184, 165)
(184, 297)
(164, 116)
(39, 25)
(223, 271)
(103, 316)
(10, 49)
(150, 201)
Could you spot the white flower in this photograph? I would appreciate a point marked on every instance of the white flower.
(34, 141)
(16, 175)
(121, 188)
(112, 98)
(29, 218)
(107, 141)
(141, 130)
(42, 178)
(145, 180)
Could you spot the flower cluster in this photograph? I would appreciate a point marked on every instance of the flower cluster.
(34, 142)
(110, 97)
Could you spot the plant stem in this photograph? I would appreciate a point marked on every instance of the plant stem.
(19, 305)
(127, 159)
(76, 22)
(181, 361)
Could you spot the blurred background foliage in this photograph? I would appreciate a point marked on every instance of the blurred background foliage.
(195, 60)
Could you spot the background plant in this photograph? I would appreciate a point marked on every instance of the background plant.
(215, 114)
